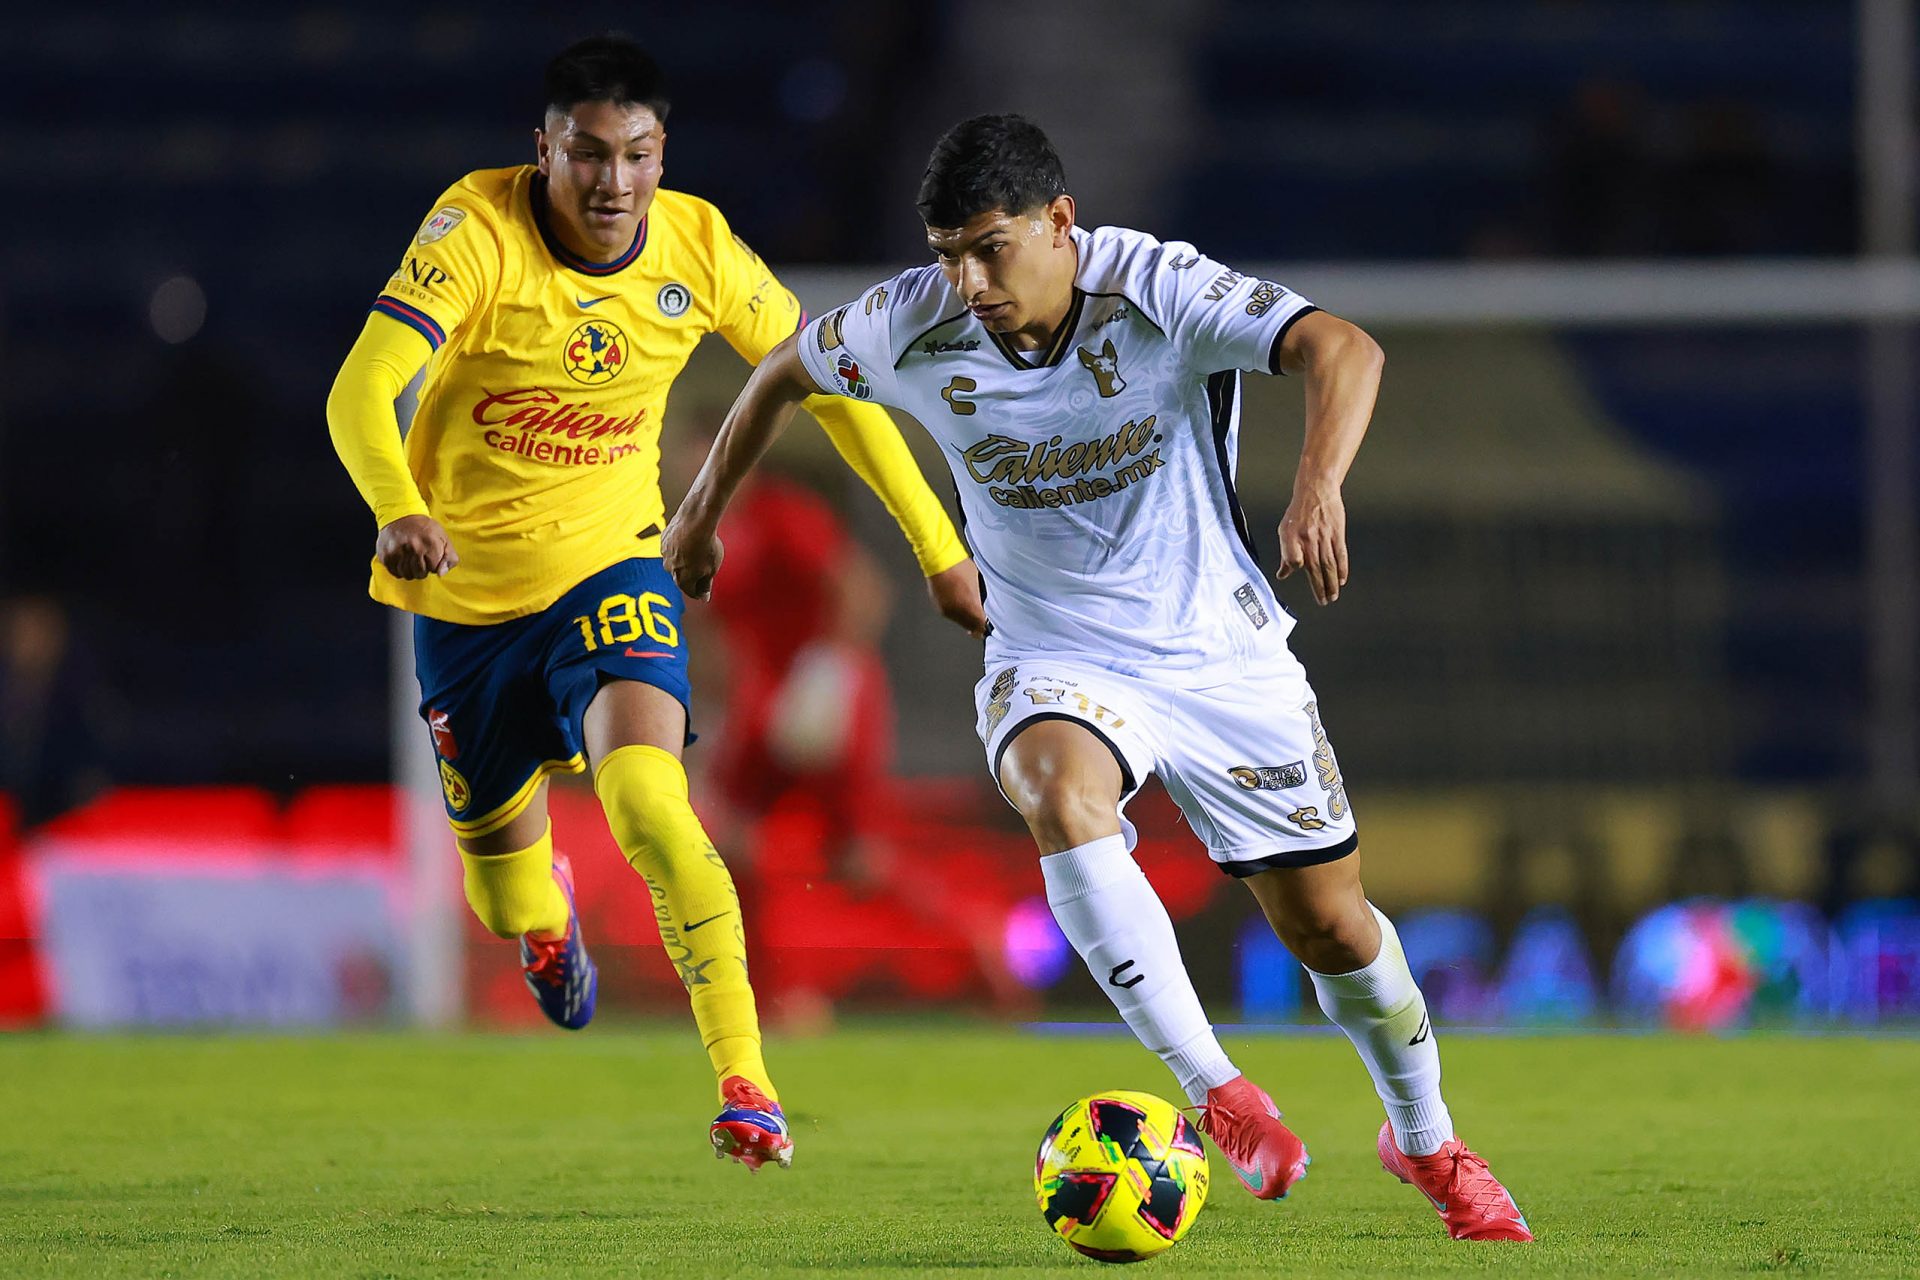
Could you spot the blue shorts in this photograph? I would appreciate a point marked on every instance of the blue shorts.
(504, 702)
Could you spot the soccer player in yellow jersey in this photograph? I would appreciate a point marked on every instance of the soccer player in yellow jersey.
(552, 306)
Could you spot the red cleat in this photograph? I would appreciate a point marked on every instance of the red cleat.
(1243, 1122)
(750, 1128)
(1469, 1199)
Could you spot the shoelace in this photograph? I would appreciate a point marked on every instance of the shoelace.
(1470, 1181)
(547, 956)
(1233, 1133)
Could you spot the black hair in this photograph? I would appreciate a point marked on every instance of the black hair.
(608, 68)
(989, 163)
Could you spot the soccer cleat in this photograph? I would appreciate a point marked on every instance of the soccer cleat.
(1469, 1199)
(1243, 1122)
(559, 972)
(750, 1128)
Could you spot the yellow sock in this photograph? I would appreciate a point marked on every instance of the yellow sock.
(644, 792)
(515, 893)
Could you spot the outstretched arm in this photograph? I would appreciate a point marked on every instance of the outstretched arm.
(1342, 367)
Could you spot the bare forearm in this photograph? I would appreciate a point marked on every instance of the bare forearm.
(762, 411)
(1342, 382)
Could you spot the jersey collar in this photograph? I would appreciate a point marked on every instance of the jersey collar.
(537, 193)
(1056, 348)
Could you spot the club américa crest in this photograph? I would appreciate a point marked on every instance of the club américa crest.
(596, 352)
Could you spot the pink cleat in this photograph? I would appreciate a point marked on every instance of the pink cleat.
(750, 1128)
(1469, 1199)
(1243, 1122)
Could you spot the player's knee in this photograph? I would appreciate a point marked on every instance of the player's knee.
(1060, 808)
(507, 907)
(1330, 937)
(643, 791)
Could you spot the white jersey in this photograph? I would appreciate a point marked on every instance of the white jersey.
(1096, 477)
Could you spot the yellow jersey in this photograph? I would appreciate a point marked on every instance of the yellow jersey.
(536, 443)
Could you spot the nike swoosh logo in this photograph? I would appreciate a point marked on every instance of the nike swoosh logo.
(594, 302)
(632, 652)
(689, 928)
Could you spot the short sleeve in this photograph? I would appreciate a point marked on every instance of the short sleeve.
(1215, 317)
(452, 266)
(754, 312)
(849, 351)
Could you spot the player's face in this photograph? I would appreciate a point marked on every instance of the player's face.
(602, 164)
(1013, 270)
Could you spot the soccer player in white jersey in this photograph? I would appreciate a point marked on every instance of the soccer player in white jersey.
(1084, 389)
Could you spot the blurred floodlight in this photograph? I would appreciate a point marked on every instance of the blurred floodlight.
(178, 309)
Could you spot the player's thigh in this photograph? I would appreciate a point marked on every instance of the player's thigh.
(519, 831)
(1251, 766)
(491, 728)
(627, 713)
(616, 667)
(1067, 744)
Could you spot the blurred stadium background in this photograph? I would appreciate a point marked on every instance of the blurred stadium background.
(1623, 686)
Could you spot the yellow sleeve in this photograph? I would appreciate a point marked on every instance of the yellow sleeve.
(753, 311)
(450, 271)
(361, 419)
(869, 440)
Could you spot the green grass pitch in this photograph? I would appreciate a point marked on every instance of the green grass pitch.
(586, 1155)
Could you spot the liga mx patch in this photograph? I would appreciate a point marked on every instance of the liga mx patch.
(852, 379)
(437, 227)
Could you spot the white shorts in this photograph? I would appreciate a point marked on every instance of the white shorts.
(1248, 762)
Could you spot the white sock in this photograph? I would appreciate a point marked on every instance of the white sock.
(1383, 1013)
(1121, 929)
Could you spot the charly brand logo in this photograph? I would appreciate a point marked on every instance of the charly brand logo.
(442, 222)
(1105, 369)
(933, 348)
(673, 299)
(596, 352)
(1263, 777)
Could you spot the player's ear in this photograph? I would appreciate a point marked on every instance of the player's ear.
(1060, 215)
(542, 152)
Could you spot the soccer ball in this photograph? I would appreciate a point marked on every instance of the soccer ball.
(1121, 1175)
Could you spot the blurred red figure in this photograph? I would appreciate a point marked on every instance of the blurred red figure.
(809, 714)
(805, 769)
